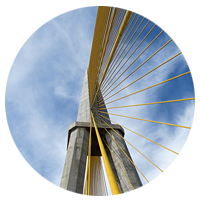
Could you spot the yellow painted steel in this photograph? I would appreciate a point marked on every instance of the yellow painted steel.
(111, 178)
(105, 40)
(147, 88)
(132, 62)
(102, 89)
(119, 48)
(89, 157)
(95, 56)
(118, 164)
(148, 60)
(134, 26)
(140, 135)
(108, 34)
(126, 155)
(100, 80)
(146, 47)
(143, 104)
(147, 120)
(122, 28)
(133, 146)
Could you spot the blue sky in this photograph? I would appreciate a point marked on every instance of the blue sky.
(176, 113)
(44, 87)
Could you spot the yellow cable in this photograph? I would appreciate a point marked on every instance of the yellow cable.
(116, 23)
(137, 21)
(134, 60)
(146, 88)
(89, 157)
(118, 163)
(111, 178)
(139, 45)
(100, 26)
(117, 50)
(132, 146)
(147, 120)
(126, 155)
(148, 60)
(113, 26)
(140, 135)
(143, 104)
(127, 51)
(122, 28)
(104, 42)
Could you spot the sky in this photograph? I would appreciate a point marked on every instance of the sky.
(180, 113)
(44, 87)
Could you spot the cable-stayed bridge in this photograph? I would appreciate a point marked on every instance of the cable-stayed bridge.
(124, 44)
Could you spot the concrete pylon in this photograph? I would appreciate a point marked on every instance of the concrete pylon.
(77, 149)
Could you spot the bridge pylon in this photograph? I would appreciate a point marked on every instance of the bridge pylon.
(75, 167)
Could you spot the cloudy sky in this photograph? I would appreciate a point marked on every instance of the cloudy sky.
(180, 113)
(44, 87)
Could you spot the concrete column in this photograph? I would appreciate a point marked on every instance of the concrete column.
(124, 162)
(75, 162)
(84, 105)
(78, 139)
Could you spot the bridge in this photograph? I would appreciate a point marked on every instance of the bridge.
(95, 141)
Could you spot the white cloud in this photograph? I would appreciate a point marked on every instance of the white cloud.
(171, 137)
(61, 91)
(49, 69)
(46, 139)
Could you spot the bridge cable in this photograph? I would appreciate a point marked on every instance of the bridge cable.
(118, 163)
(142, 104)
(147, 138)
(126, 18)
(119, 47)
(126, 154)
(146, 158)
(112, 66)
(125, 40)
(111, 178)
(137, 48)
(146, 47)
(147, 120)
(103, 88)
(141, 76)
(146, 88)
(148, 60)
